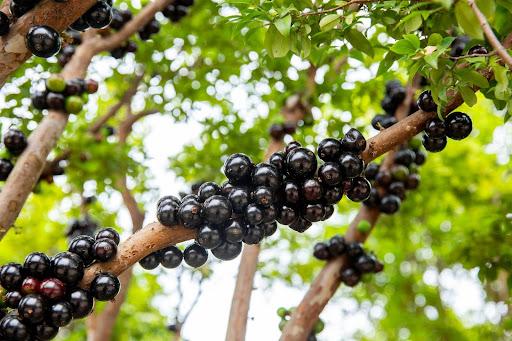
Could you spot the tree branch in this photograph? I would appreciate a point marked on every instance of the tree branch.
(30, 165)
(125, 128)
(491, 37)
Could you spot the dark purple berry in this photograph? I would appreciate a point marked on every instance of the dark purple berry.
(253, 234)
(37, 265)
(104, 249)
(81, 302)
(171, 257)
(208, 189)
(12, 328)
(321, 251)
(68, 267)
(405, 157)
(15, 141)
(435, 128)
(12, 299)
(208, 237)
(239, 199)
(353, 141)
(389, 204)
(43, 41)
(262, 196)
(11, 276)
(434, 145)
(238, 169)
(32, 308)
(350, 277)
(312, 190)
(227, 251)
(60, 314)
(99, 15)
(333, 195)
(266, 175)
(56, 101)
(253, 214)
(234, 232)
(371, 171)
(426, 102)
(83, 247)
(45, 332)
(351, 165)
(360, 189)
(105, 287)
(330, 173)
(329, 149)
(300, 225)
(269, 228)
(4, 24)
(412, 182)
(151, 261)
(190, 213)
(217, 210)
(80, 24)
(291, 146)
(278, 160)
(458, 125)
(195, 255)
(52, 289)
(337, 246)
(301, 163)
(276, 131)
(287, 215)
(314, 212)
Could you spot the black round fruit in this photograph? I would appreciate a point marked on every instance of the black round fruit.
(167, 213)
(190, 213)
(227, 251)
(238, 169)
(351, 165)
(207, 190)
(104, 249)
(253, 214)
(209, 237)
(434, 145)
(234, 232)
(31, 308)
(253, 234)
(12, 299)
(314, 212)
(171, 257)
(389, 204)
(291, 193)
(39, 100)
(151, 261)
(262, 196)
(217, 210)
(350, 277)
(68, 267)
(329, 149)
(353, 141)
(56, 101)
(300, 225)
(44, 332)
(435, 128)
(12, 328)
(195, 255)
(109, 233)
(330, 173)
(37, 265)
(458, 125)
(321, 251)
(360, 189)
(15, 141)
(287, 215)
(266, 175)
(301, 163)
(99, 15)
(105, 287)
(239, 198)
(6, 167)
(337, 246)
(83, 247)
(81, 302)
(278, 160)
(426, 102)
(11, 276)
(43, 41)
(333, 195)
(270, 228)
(4, 24)
(60, 314)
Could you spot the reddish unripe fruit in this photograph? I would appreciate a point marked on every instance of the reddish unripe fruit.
(30, 285)
(91, 86)
(52, 289)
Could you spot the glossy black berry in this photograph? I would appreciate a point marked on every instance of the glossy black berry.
(12, 299)
(321, 251)
(226, 188)
(253, 214)
(278, 160)
(477, 50)
(238, 169)
(383, 178)
(151, 261)
(43, 41)
(171, 257)
(291, 146)
(81, 302)
(253, 234)
(434, 145)
(207, 190)
(426, 102)
(11, 276)
(276, 131)
(266, 175)
(458, 46)
(4, 24)
(239, 198)
(209, 237)
(117, 22)
(12, 328)
(104, 249)
(6, 167)
(314, 212)
(269, 214)
(353, 141)
(458, 125)
(397, 188)
(262, 196)
(227, 251)
(350, 277)
(234, 232)
(333, 195)
(60, 314)
(330, 173)
(39, 100)
(420, 157)
(371, 171)
(405, 157)
(31, 308)
(68, 267)
(99, 15)
(217, 210)
(167, 213)
(292, 193)
(373, 200)
(300, 225)
(301, 163)
(190, 213)
(389, 204)
(195, 255)
(44, 331)
(83, 247)
(365, 264)
(56, 101)
(351, 165)
(312, 190)
(18, 10)
(287, 215)
(15, 141)
(37, 265)
(105, 287)
(269, 228)
(329, 149)
(435, 128)
(412, 182)
(337, 246)
(360, 189)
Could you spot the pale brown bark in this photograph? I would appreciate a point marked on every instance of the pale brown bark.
(31, 163)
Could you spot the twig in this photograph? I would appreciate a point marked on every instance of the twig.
(334, 9)
(491, 37)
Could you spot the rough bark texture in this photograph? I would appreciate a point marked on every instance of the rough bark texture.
(31, 163)
(13, 51)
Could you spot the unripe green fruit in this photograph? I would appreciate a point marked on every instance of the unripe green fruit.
(364, 226)
(400, 172)
(74, 104)
(319, 326)
(56, 83)
(415, 143)
(282, 312)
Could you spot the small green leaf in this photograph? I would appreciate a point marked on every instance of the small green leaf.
(386, 63)
(414, 40)
(328, 22)
(283, 25)
(488, 8)
(403, 47)
(468, 95)
(474, 77)
(434, 39)
(276, 44)
(359, 41)
(467, 20)
(413, 23)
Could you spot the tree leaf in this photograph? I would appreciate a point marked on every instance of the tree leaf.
(283, 25)
(328, 22)
(474, 77)
(276, 44)
(413, 22)
(467, 20)
(403, 47)
(359, 41)
(488, 8)
(386, 63)
(468, 95)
